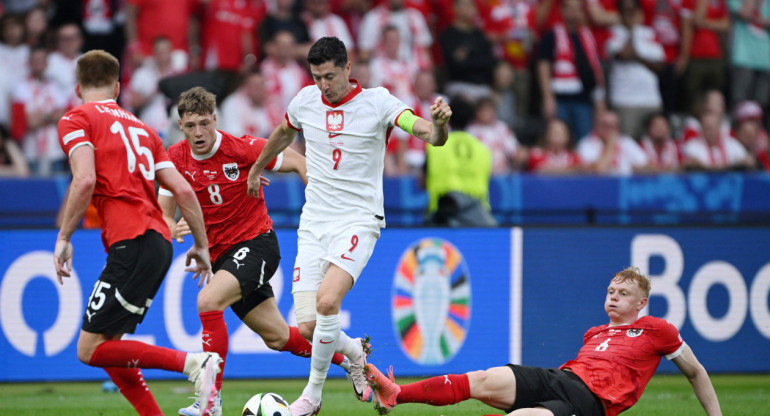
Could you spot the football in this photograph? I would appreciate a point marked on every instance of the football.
(266, 404)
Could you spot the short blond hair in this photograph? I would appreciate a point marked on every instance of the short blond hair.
(196, 100)
(97, 69)
(633, 274)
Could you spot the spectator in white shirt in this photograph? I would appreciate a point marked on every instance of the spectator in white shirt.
(14, 59)
(37, 106)
(284, 76)
(149, 104)
(659, 146)
(245, 112)
(507, 154)
(321, 22)
(63, 61)
(714, 151)
(389, 70)
(416, 39)
(636, 57)
(607, 151)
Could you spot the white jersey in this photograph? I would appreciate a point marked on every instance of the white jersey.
(345, 151)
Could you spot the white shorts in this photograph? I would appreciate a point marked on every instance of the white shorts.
(322, 243)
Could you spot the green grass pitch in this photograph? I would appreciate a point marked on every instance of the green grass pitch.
(665, 395)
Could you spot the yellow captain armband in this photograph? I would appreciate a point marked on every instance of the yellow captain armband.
(406, 121)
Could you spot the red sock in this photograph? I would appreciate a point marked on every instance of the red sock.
(215, 338)
(301, 347)
(437, 391)
(133, 387)
(135, 354)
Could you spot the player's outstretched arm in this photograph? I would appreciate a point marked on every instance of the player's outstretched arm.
(701, 383)
(171, 180)
(435, 132)
(78, 198)
(279, 140)
(294, 162)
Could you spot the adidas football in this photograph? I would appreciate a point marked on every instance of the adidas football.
(266, 404)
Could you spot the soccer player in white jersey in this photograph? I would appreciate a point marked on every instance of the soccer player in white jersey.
(346, 129)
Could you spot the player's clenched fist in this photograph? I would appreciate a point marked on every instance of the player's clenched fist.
(440, 111)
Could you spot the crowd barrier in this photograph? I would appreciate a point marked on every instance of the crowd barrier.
(433, 300)
(697, 198)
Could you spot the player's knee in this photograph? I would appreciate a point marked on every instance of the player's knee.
(275, 342)
(326, 306)
(85, 352)
(478, 381)
(208, 302)
(477, 376)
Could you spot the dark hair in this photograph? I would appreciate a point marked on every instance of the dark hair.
(328, 49)
(463, 113)
(196, 100)
(650, 118)
(485, 100)
(97, 69)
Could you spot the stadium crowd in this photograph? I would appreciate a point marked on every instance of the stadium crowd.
(557, 86)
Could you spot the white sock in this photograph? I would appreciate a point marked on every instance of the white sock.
(325, 337)
(349, 347)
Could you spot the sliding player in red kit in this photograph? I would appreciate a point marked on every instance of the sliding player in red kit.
(608, 376)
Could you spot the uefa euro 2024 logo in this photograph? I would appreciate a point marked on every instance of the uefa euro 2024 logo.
(431, 301)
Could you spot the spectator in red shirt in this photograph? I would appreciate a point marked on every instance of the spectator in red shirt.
(148, 19)
(706, 68)
(607, 377)
(227, 40)
(510, 25)
(602, 15)
(554, 155)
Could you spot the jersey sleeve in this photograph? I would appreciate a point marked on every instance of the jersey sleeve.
(74, 131)
(173, 158)
(390, 107)
(668, 342)
(255, 145)
(293, 110)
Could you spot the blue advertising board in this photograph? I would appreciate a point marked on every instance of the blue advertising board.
(433, 300)
(391, 302)
(711, 283)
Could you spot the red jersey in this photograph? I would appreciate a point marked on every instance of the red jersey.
(225, 22)
(665, 17)
(167, 18)
(617, 362)
(705, 42)
(540, 159)
(126, 155)
(219, 181)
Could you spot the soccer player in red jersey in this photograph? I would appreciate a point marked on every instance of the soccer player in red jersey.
(115, 160)
(243, 245)
(608, 376)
